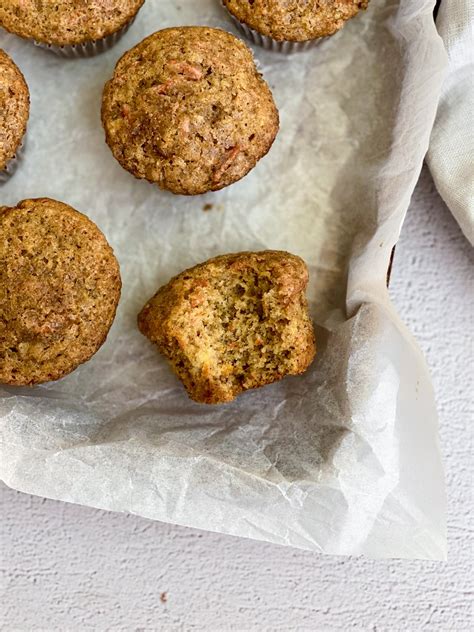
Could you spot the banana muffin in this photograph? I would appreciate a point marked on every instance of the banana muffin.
(235, 322)
(59, 290)
(70, 27)
(188, 110)
(270, 22)
(14, 113)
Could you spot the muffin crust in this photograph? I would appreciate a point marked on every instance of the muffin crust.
(235, 322)
(14, 109)
(295, 20)
(59, 289)
(187, 109)
(67, 22)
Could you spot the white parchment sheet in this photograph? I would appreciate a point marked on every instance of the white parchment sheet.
(344, 459)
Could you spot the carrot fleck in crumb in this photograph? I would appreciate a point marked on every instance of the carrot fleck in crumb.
(232, 155)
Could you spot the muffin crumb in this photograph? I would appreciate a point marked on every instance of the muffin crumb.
(187, 109)
(14, 109)
(59, 290)
(69, 22)
(297, 20)
(233, 323)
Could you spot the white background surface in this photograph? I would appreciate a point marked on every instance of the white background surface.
(65, 567)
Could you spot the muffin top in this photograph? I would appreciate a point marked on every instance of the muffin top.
(235, 322)
(187, 109)
(14, 108)
(59, 289)
(295, 20)
(67, 22)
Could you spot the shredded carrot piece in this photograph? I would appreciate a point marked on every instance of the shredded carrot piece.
(234, 152)
(164, 87)
(187, 70)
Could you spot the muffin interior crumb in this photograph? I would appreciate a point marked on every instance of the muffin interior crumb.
(235, 331)
(241, 335)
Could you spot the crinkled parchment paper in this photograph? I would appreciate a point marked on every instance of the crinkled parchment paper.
(343, 460)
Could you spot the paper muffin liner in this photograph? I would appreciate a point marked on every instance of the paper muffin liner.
(12, 164)
(278, 46)
(87, 49)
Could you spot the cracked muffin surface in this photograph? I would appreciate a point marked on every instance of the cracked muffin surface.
(188, 110)
(233, 323)
(67, 22)
(295, 20)
(59, 290)
(14, 108)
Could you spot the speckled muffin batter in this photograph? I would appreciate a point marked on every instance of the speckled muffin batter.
(233, 323)
(295, 20)
(59, 290)
(68, 22)
(188, 110)
(14, 109)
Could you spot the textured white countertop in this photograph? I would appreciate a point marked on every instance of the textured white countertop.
(64, 567)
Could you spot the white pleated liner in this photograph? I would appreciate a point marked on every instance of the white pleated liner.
(87, 49)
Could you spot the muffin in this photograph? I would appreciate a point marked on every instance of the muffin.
(59, 290)
(294, 25)
(233, 323)
(14, 113)
(187, 109)
(71, 28)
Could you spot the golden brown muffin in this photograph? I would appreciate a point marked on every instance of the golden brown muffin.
(188, 110)
(295, 20)
(235, 322)
(14, 109)
(68, 22)
(59, 290)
